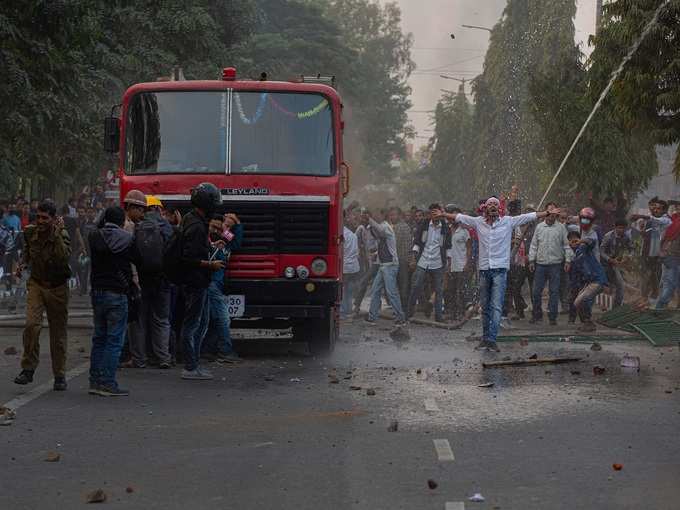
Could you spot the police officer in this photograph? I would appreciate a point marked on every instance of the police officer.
(46, 252)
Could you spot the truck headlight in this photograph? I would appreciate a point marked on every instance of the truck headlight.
(319, 267)
(289, 272)
(302, 272)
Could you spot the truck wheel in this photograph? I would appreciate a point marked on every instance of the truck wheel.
(320, 334)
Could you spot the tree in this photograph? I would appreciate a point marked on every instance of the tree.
(450, 148)
(647, 93)
(532, 37)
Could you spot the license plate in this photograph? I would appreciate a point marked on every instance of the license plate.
(236, 305)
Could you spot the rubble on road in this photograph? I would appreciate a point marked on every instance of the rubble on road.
(595, 347)
(7, 416)
(10, 351)
(630, 362)
(432, 484)
(394, 426)
(598, 370)
(370, 392)
(96, 496)
(400, 334)
(476, 498)
(529, 362)
(53, 457)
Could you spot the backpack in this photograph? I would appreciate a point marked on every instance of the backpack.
(172, 258)
(149, 244)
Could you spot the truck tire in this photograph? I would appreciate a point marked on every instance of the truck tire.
(320, 334)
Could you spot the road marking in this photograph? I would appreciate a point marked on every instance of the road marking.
(455, 505)
(24, 399)
(443, 448)
(431, 405)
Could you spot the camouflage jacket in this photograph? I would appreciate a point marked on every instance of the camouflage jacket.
(47, 256)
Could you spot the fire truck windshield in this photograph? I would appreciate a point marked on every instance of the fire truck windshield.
(229, 132)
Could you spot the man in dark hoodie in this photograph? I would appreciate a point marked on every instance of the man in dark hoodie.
(111, 250)
(198, 268)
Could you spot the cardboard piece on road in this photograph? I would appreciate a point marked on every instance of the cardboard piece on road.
(529, 362)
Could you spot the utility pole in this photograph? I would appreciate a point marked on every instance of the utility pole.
(598, 16)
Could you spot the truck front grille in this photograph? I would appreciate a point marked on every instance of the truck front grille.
(282, 227)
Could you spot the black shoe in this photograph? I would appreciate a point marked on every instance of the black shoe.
(94, 389)
(553, 322)
(535, 320)
(59, 384)
(110, 391)
(25, 377)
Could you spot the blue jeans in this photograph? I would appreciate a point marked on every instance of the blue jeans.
(387, 278)
(670, 281)
(110, 310)
(194, 325)
(553, 274)
(492, 284)
(437, 279)
(349, 282)
(218, 337)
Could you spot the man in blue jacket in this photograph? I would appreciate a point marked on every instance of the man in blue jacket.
(587, 279)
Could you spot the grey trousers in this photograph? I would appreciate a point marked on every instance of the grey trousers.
(153, 326)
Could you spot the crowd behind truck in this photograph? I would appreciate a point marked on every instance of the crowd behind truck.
(158, 283)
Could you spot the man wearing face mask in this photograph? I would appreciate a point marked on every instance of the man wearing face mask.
(495, 235)
(586, 218)
(46, 252)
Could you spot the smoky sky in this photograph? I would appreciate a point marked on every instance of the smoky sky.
(432, 21)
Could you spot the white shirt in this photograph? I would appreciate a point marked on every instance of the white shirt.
(350, 263)
(495, 239)
(432, 253)
(458, 251)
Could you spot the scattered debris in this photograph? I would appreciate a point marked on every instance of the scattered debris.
(476, 498)
(7, 416)
(669, 391)
(548, 372)
(355, 388)
(347, 377)
(400, 334)
(630, 362)
(53, 457)
(617, 467)
(575, 372)
(486, 385)
(268, 377)
(394, 426)
(129, 490)
(529, 362)
(11, 350)
(595, 347)
(370, 392)
(81, 349)
(598, 370)
(96, 496)
(432, 484)
(524, 342)
(296, 379)
(333, 380)
(533, 356)
(419, 371)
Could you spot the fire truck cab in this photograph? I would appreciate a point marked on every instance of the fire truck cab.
(274, 149)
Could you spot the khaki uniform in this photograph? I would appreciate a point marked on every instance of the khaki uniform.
(47, 256)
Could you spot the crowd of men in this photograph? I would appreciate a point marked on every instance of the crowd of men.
(453, 265)
(157, 278)
(156, 281)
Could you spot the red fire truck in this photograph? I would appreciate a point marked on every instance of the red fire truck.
(274, 149)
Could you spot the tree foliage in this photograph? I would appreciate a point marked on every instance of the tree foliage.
(530, 102)
(647, 94)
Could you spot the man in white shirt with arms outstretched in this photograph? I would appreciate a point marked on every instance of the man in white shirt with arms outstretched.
(494, 233)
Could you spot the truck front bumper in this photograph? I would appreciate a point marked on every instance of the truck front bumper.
(281, 297)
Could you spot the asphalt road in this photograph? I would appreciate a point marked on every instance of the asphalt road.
(278, 432)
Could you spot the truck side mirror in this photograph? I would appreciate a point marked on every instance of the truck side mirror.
(111, 134)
